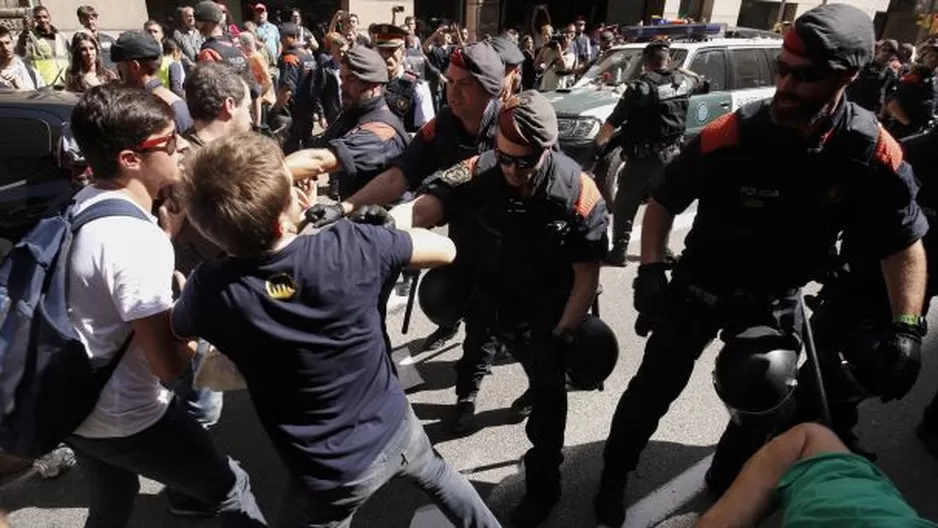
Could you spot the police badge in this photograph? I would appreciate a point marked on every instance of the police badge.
(457, 175)
(403, 105)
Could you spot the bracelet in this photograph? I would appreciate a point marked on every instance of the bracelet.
(908, 319)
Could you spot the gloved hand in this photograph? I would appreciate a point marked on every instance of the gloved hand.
(649, 287)
(901, 353)
(372, 215)
(321, 215)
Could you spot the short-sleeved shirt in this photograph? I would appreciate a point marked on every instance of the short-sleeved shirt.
(270, 34)
(121, 271)
(444, 142)
(771, 226)
(843, 490)
(180, 110)
(302, 326)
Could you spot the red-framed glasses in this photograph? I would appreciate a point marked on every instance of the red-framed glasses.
(165, 144)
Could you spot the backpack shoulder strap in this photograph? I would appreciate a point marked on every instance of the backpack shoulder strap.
(106, 208)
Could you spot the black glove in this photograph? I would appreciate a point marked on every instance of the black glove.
(649, 287)
(372, 215)
(321, 215)
(901, 353)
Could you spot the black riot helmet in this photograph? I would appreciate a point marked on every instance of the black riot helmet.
(444, 295)
(756, 374)
(592, 355)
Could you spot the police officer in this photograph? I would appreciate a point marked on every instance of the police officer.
(295, 93)
(414, 59)
(511, 55)
(912, 106)
(407, 95)
(759, 236)
(543, 224)
(652, 113)
(873, 81)
(217, 46)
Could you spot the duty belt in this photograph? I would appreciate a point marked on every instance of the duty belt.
(646, 150)
(741, 297)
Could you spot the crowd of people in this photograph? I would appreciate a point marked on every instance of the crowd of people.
(199, 239)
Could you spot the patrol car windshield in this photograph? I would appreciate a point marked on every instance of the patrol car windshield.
(621, 66)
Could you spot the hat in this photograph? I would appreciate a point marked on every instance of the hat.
(838, 36)
(135, 45)
(890, 45)
(259, 7)
(529, 119)
(507, 51)
(208, 11)
(366, 65)
(607, 36)
(483, 63)
(289, 29)
(388, 35)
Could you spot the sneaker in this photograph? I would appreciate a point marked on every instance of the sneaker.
(439, 337)
(182, 505)
(521, 407)
(464, 418)
(532, 511)
(54, 464)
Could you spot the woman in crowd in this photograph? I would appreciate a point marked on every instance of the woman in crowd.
(86, 69)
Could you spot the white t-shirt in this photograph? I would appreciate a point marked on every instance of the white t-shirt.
(121, 271)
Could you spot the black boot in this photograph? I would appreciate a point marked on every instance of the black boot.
(464, 418)
(521, 407)
(533, 510)
(618, 255)
(609, 505)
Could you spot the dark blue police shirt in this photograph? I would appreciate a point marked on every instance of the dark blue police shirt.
(315, 362)
(772, 204)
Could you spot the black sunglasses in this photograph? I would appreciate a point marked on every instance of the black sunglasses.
(522, 162)
(802, 74)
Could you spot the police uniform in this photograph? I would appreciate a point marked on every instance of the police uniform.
(525, 246)
(220, 48)
(407, 95)
(873, 81)
(652, 114)
(416, 62)
(298, 74)
(511, 56)
(916, 95)
(758, 237)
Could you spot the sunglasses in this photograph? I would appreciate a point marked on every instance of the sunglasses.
(522, 162)
(802, 74)
(165, 144)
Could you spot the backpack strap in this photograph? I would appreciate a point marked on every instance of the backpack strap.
(97, 211)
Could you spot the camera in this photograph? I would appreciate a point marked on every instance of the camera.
(397, 9)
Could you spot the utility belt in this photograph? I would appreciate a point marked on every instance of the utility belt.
(651, 148)
(741, 299)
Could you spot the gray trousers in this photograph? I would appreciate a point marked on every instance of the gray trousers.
(640, 177)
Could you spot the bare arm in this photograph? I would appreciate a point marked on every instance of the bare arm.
(906, 274)
(585, 284)
(750, 497)
(385, 188)
(656, 227)
(312, 163)
(168, 356)
(897, 112)
(430, 249)
(426, 212)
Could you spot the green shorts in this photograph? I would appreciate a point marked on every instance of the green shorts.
(843, 490)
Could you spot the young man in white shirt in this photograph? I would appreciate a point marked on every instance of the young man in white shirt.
(14, 73)
(120, 282)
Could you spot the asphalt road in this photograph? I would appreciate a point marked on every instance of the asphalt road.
(662, 489)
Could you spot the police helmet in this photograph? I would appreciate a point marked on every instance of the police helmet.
(443, 295)
(592, 355)
(756, 375)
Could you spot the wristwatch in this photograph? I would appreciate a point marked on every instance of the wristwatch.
(916, 322)
(565, 335)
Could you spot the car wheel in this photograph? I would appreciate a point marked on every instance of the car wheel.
(606, 174)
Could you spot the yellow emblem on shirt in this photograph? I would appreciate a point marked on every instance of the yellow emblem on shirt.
(281, 287)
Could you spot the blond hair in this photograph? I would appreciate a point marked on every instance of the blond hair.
(234, 191)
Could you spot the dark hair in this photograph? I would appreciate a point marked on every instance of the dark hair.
(5, 32)
(38, 9)
(74, 78)
(111, 118)
(149, 23)
(169, 46)
(86, 11)
(208, 85)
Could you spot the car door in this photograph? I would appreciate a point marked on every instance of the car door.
(751, 76)
(704, 108)
(32, 183)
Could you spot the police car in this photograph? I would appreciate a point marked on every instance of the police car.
(740, 71)
(39, 163)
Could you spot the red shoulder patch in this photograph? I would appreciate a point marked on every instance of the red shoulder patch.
(428, 131)
(911, 78)
(721, 133)
(888, 152)
(290, 58)
(209, 55)
(384, 131)
(589, 196)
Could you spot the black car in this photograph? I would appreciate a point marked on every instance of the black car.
(40, 166)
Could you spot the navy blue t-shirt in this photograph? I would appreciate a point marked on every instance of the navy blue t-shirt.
(302, 326)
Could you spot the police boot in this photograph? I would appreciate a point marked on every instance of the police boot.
(543, 493)
(464, 418)
(521, 407)
(439, 337)
(609, 504)
(618, 255)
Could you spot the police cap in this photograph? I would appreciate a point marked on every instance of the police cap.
(507, 51)
(529, 119)
(388, 35)
(366, 65)
(483, 64)
(208, 11)
(289, 29)
(607, 36)
(837, 36)
(135, 45)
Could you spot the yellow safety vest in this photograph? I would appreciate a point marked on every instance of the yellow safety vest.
(50, 67)
(164, 70)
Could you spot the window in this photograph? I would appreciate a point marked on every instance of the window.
(750, 69)
(25, 145)
(711, 64)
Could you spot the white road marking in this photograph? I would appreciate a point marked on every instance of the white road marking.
(656, 507)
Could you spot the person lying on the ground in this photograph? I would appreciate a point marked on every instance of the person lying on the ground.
(816, 481)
